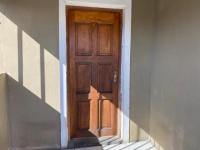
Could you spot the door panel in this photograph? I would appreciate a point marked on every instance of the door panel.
(106, 114)
(83, 71)
(83, 115)
(105, 75)
(83, 39)
(93, 55)
(105, 39)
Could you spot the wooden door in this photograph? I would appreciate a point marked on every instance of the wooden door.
(94, 66)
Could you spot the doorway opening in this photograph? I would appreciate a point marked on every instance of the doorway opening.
(125, 64)
(94, 52)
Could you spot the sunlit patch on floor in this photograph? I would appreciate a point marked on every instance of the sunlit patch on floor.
(115, 143)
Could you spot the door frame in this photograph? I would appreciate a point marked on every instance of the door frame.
(124, 98)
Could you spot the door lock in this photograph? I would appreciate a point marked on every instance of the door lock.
(115, 76)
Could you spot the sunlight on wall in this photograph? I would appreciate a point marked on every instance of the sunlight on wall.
(156, 144)
(137, 132)
(28, 63)
(9, 36)
(31, 64)
(1, 45)
(52, 86)
(141, 134)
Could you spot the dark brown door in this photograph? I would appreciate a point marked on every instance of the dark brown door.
(93, 56)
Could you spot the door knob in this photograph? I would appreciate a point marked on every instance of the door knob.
(115, 76)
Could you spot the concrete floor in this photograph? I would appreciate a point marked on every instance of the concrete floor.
(108, 145)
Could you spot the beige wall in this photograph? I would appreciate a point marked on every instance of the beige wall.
(4, 136)
(1, 45)
(175, 82)
(165, 103)
(142, 46)
(165, 73)
(29, 50)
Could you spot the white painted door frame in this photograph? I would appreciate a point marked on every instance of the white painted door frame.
(126, 5)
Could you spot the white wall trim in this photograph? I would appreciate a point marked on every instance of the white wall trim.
(63, 73)
(126, 5)
(92, 4)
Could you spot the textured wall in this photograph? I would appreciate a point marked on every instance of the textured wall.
(166, 73)
(1, 45)
(29, 47)
(142, 46)
(4, 136)
(175, 77)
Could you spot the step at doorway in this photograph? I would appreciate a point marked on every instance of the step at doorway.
(109, 145)
(94, 142)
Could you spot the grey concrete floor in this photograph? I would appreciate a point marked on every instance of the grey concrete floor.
(114, 143)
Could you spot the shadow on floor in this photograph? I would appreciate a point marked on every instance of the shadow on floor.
(109, 143)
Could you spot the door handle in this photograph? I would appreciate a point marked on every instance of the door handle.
(115, 77)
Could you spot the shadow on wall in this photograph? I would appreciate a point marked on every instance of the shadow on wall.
(31, 120)
(141, 60)
(143, 44)
(166, 83)
(31, 58)
(29, 33)
(29, 45)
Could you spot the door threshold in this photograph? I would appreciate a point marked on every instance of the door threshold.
(94, 141)
(83, 142)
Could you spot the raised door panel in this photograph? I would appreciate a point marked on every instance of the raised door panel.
(94, 116)
(83, 39)
(105, 82)
(83, 115)
(105, 37)
(83, 78)
(93, 16)
(106, 114)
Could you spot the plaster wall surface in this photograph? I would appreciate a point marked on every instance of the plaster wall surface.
(175, 76)
(143, 37)
(30, 53)
(4, 134)
(165, 73)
